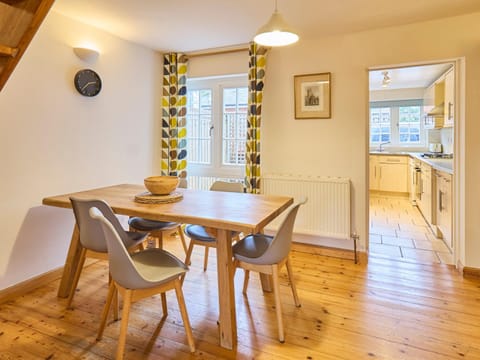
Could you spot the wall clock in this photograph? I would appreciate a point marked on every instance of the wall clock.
(87, 82)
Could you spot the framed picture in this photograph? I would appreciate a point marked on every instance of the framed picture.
(312, 96)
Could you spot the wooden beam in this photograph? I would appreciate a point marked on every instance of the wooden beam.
(8, 51)
(40, 14)
(10, 2)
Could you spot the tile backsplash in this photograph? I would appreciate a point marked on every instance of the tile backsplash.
(446, 137)
(443, 136)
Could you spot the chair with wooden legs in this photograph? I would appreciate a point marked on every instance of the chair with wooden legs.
(157, 229)
(200, 235)
(92, 240)
(139, 275)
(267, 254)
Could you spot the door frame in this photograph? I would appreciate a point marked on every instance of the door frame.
(458, 221)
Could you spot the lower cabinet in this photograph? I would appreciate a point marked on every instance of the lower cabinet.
(424, 201)
(389, 173)
(444, 205)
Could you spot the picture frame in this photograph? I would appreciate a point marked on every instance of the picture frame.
(312, 96)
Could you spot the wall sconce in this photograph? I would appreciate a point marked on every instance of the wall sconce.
(86, 54)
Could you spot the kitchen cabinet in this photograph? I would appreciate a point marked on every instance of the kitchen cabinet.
(443, 208)
(373, 178)
(414, 179)
(389, 173)
(449, 117)
(424, 200)
(434, 96)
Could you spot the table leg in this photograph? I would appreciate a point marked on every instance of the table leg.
(226, 293)
(71, 264)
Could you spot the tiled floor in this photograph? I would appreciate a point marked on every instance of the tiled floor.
(398, 230)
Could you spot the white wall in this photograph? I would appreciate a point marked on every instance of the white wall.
(338, 146)
(53, 140)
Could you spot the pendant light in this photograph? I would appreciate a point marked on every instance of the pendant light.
(275, 32)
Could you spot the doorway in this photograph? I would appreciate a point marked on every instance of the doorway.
(411, 135)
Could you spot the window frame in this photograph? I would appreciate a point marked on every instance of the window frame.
(394, 106)
(217, 84)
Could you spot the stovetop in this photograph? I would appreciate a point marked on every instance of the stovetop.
(432, 155)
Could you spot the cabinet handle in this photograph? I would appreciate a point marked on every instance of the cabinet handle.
(450, 112)
(440, 200)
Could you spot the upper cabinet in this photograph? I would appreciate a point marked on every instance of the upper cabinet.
(449, 117)
(19, 21)
(433, 101)
(439, 102)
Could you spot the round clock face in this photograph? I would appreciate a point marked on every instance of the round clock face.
(87, 82)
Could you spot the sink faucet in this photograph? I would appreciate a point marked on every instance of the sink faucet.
(380, 147)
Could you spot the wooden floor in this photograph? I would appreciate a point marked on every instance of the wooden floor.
(386, 310)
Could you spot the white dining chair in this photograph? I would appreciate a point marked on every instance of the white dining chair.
(199, 235)
(139, 275)
(92, 239)
(267, 254)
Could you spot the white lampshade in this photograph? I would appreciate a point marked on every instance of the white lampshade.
(275, 32)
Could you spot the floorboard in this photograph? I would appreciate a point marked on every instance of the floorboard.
(387, 309)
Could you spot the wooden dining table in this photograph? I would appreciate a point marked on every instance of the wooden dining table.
(223, 212)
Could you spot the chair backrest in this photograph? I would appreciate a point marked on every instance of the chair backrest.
(91, 232)
(282, 242)
(182, 183)
(227, 186)
(121, 265)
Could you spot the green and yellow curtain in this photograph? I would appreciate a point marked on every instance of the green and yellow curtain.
(256, 77)
(174, 111)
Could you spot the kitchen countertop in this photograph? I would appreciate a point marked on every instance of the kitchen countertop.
(445, 165)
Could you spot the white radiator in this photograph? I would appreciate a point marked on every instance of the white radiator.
(327, 212)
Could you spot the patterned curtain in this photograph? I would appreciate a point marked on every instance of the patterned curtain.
(256, 75)
(174, 111)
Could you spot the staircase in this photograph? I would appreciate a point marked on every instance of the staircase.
(19, 21)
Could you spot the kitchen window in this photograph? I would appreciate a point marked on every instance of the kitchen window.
(217, 126)
(397, 122)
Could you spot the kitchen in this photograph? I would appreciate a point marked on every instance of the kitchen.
(411, 163)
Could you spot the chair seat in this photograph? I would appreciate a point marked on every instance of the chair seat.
(157, 266)
(198, 232)
(142, 224)
(251, 247)
(135, 237)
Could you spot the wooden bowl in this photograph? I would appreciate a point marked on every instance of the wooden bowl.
(161, 185)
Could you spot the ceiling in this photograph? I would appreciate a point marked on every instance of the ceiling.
(191, 25)
(407, 77)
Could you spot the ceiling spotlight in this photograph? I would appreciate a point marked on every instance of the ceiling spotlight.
(386, 79)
